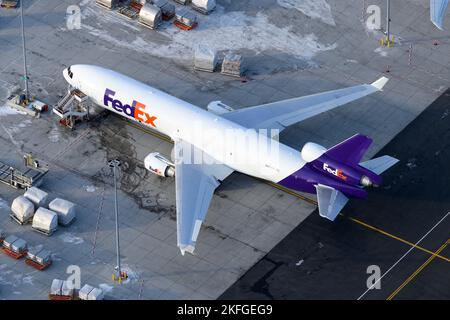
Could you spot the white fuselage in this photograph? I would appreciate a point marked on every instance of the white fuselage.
(181, 120)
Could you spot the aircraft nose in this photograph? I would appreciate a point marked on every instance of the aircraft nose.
(68, 75)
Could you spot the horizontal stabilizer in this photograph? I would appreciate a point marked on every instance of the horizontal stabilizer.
(330, 200)
(351, 150)
(379, 165)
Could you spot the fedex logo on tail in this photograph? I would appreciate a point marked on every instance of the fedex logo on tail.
(136, 110)
(336, 172)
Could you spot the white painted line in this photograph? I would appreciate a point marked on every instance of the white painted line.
(402, 257)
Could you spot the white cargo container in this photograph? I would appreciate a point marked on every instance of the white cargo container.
(22, 209)
(64, 209)
(45, 221)
(203, 6)
(41, 256)
(150, 16)
(232, 65)
(37, 196)
(108, 4)
(19, 246)
(44, 256)
(186, 18)
(7, 243)
(205, 59)
(96, 294)
(67, 289)
(56, 287)
(84, 292)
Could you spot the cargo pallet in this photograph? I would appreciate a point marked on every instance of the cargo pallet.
(184, 26)
(129, 13)
(200, 9)
(57, 297)
(36, 265)
(205, 69)
(45, 233)
(23, 180)
(148, 26)
(15, 255)
(13, 217)
(236, 75)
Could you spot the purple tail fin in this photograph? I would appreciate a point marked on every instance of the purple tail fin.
(351, 150)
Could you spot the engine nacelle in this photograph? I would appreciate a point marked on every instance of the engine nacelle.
(217, 107)
(157, 164)
(312, 151)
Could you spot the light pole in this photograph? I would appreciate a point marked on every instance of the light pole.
(24, 52)
(388, 21)
(114, 164)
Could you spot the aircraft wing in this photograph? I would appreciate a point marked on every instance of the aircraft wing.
(281, 114)
(379, 165)
(437, 12)
(195, 185)
(330, 201)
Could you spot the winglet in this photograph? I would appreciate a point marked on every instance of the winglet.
(186, 248)
(380, 83)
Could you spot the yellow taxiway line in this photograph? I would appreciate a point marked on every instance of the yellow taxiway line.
(418, 270)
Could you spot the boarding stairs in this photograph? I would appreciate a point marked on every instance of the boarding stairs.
(72, 107)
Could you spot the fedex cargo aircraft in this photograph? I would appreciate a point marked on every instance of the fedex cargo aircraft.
(334, 174)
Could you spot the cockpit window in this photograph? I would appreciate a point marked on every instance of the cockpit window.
(70, 73)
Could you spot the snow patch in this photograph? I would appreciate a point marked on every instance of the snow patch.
(220, 30)
(382, 51)
(90, 188)
(71, 238)
(28, 280)
(316, 9)
(54, 134)
(7, 111)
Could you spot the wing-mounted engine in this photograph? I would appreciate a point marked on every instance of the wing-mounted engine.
(219, 108)
(157, 164)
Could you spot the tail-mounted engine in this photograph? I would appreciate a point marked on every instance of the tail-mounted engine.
(348, 173)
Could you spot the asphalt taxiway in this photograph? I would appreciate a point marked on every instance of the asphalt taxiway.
(324, 260)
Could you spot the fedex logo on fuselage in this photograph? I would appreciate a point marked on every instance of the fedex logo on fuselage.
(336, 172)
(136, 110)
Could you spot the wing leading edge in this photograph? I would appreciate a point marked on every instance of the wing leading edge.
(195, 185)
(281, 114)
